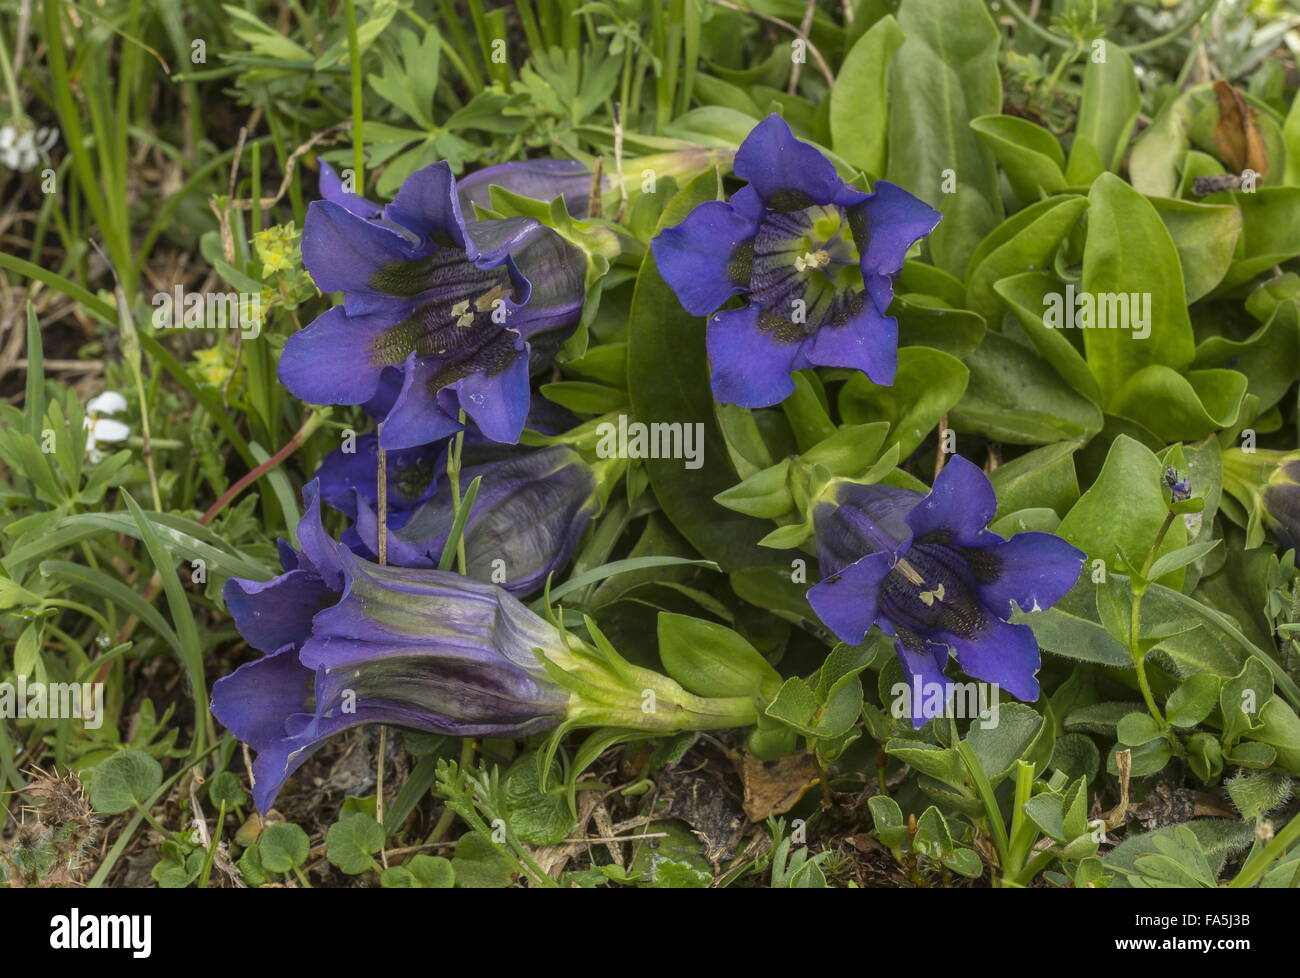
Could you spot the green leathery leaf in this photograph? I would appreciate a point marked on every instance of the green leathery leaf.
(1270, 233)
(859, 99)
(946, 74)
(1269, 357)
(927, 385)
(1108, 111)
(1180, 406)
(1028, 295)
(712, 660)
(1015, 396)
(1029, 155)
(1043, 477)
(1038, 233)
(1130, 252)
(1205, 236)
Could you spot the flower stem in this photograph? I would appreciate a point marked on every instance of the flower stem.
(985, 789)
(1138, 588)
(453, 475)
(354, 57)
(1276, 848)
(310, 425)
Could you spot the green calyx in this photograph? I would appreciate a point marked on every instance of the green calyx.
(605, 690)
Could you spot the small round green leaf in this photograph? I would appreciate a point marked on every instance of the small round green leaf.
(124, 780)
(352, 841)
(284, 847)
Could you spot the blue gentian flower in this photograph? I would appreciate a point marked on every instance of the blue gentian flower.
(814, 259)
(348, 642)
(929, 573)
(425, 650)
(459, 306)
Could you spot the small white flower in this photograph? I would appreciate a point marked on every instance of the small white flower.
(22, 149)
(109, 402)
(101, 429)
(106, 429)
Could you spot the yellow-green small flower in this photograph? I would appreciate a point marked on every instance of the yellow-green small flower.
(277, 248)
(214, 364)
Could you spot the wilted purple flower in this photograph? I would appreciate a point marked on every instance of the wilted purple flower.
(457, 304)
(814, 258)
(531, 510)
(935, 579)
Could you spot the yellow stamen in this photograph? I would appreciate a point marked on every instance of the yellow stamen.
(461, 311)
(813, 259)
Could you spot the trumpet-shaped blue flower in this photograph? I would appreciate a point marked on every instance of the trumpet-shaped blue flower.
(425, 650)
(349, 642)
(929, 573)
(814, 259)
(460, 306)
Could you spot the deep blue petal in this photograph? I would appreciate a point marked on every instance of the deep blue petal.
(332, 361)
(254, 701)
(390, 385)
(847, 601)
(320, 551)
(923, 668)
(703, 259)
(867, 342)
(275, 613)
(750, 366)
(331, 188)
(787, 173)
(888, 223)
(343, 252)
(427, 204)
(1002, 653)
(958, 508)
(1035, 570)
(497, 399)
(417, 417)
